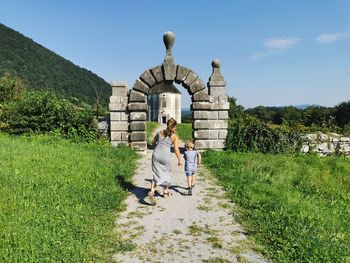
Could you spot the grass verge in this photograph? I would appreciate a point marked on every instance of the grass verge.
(297, 207)
(58, 199)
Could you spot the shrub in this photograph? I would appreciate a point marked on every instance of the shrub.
(11, 88)
(42, 112)
(250, 134)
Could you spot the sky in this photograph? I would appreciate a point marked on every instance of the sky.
(272, 52)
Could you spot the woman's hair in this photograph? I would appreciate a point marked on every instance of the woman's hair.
(171, 123)
(189, 144)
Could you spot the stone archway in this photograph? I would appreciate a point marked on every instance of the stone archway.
(128, 109)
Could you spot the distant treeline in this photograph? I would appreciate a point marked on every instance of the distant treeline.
(312, 115)
(281, 129)
(42, 69)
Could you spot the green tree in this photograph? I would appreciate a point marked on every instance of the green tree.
(235, 111)
(11, 88)
(263, 113)
(342, 113)
(316, 115)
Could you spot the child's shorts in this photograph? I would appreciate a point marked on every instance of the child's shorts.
(189, 174)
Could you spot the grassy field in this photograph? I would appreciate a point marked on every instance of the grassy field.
(58, 200)
(184, 131)
(297, 207)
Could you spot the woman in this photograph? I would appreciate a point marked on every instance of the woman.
(161, 165)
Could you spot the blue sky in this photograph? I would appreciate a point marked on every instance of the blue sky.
(272, 52)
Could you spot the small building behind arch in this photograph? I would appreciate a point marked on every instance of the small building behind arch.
(164, 102)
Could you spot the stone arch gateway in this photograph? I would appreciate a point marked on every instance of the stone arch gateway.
(128, 108)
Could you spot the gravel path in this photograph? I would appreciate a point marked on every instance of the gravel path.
(180, 228)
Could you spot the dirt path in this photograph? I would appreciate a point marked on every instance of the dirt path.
(180, 228)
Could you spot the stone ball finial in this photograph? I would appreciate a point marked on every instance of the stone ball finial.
(169, 39)
(216, 63)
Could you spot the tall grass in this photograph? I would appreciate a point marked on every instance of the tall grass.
(184, 131)
(58, 200)
(298, 207)
(151, 126)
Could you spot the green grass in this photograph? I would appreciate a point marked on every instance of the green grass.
(151, 126)
(184, 131)
(297, 207)
(58, 200)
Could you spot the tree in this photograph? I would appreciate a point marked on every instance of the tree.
(235, 111)
(11, 88)
(342, 113)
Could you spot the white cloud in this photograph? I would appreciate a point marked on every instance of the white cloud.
(275, 46)
(331, 38)
(281, 43)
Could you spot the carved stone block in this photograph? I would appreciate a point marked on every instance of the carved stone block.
(190, 78)
(157, 73)
(136, 96)
(141, 86)
(138, 116)
(139, 146)
(148, 78)
(119, 126)
(196, 86)
(138, 136)
(169, 70)
(137, 106)
(137, 126)
(181, 74)
(200, 96)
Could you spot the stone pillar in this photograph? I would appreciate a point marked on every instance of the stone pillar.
(118, 102)
(210, 118)
(138, 110)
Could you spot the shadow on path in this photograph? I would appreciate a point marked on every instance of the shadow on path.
(139, 192)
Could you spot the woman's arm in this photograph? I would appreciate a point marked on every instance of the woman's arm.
(176, 148)
(155, 139)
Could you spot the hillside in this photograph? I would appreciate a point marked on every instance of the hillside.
(43, 69)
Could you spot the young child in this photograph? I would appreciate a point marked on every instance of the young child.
(191, 157)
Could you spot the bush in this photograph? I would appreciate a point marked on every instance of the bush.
(11, 88)
(250, 134)
(43, 112)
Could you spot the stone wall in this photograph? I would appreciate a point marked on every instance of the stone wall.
(326, 144)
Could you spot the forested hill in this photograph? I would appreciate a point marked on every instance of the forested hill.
(43, 69)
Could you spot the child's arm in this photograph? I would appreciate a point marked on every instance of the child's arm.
(199, 157)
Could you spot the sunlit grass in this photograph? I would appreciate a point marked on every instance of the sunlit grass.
(151, 126)
(296, 206)
(184, 131)
(58, 200)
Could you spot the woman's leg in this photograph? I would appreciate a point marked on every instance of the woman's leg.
(153, 186)
(150, 194)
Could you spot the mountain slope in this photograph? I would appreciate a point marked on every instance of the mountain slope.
(43, 69)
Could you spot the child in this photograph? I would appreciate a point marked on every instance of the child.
(191, 157)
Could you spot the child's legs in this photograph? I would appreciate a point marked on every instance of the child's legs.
(193, 179)
(189, 180)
